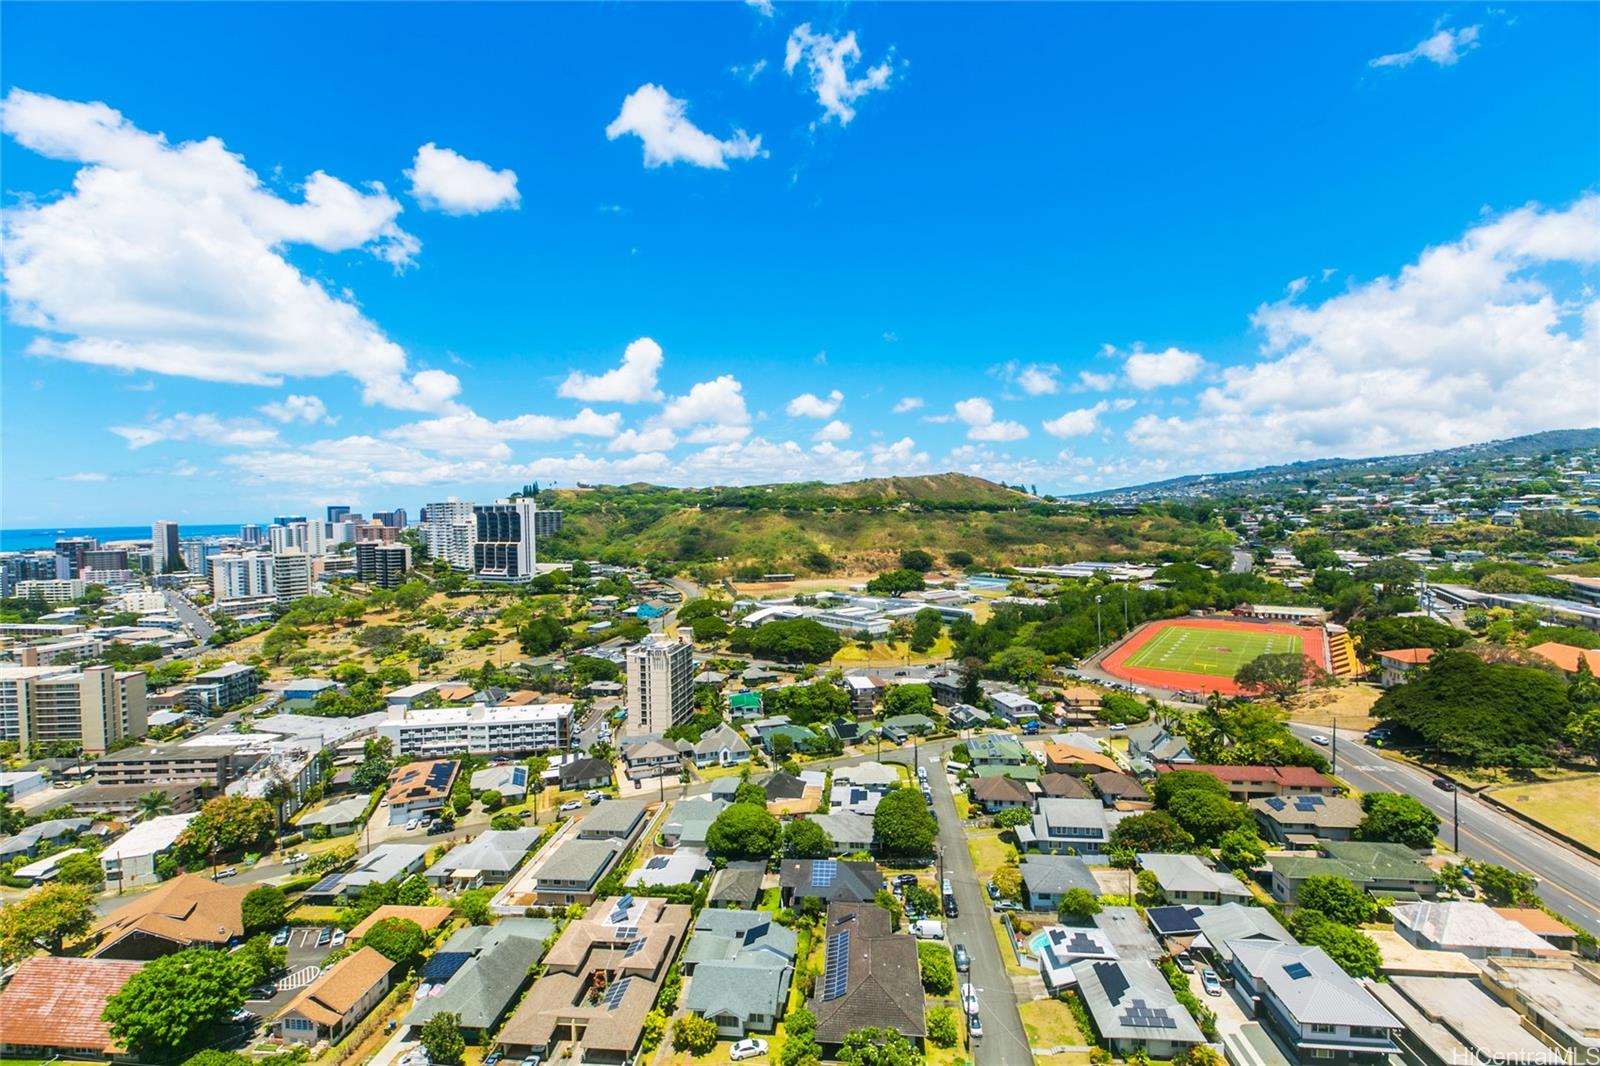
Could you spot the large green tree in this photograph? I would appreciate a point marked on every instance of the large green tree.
(1398, 819)
(45, 919)
(227, 824)
(878, 1047)
(262, 908)
(795, 640)
(1336, 898)
(744, 831)
(1206, 816)
(169, 1007)
(441, 1038)
(1277, 674)
(1151, 831)
(938, 968)
(1478, 711)
(902, 824)
(400, 940)
(805, 839)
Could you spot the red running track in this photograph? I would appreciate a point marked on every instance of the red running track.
(1179, 681)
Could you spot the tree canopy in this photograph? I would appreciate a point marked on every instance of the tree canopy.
(169, 1006)
(744, 831)
(1151, 831)
(1397, 818)
(1278, 674)
(793, 640)
(902, 825)
(262, 908)
(400, 940)
(45, 918)
(805, 839)
(1478, 712)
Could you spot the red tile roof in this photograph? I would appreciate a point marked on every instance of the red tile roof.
(1414, 656)
(1284, 776)
(57, 1002)
(1566, 656)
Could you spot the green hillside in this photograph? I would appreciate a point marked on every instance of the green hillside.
(858, 527)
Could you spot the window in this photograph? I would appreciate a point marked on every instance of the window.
(1318, 1027)
(1321, 1053)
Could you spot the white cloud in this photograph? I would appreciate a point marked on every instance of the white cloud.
(294, 408)
(763, 6)
(834, 431)
(169, 258)
(907, 404)
(659, 439)
(632, 382)
(660, 120)
(468, 433)
(444, 180)
(829, 61)
(1096, 382)
(809, 405)
(749, 72)
(87, 476)
(1077, 423)
(201, 429)
(902, 456)
(713, 434)
(1154, 370)
(1445, 48)
(978, 414)
(719, 402)
(1034, 379)
(1490, 336)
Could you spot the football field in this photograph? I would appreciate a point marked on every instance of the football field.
(1210, 651)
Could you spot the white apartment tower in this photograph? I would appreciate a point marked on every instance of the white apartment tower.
(450, 531)
(241, 576)
(660, 684)
(291, 575)
(504, 548)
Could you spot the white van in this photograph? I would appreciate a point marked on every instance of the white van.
(927, 929)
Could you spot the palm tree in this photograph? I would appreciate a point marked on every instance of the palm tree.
(154, 804)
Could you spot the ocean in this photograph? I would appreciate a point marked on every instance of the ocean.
(17, 540)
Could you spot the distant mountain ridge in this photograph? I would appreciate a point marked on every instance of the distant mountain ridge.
(1264, 478)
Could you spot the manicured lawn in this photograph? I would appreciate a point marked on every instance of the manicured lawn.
(1213, 652)
(988, 851)
(1567, 806)
(1049, 1023)
(885, 654)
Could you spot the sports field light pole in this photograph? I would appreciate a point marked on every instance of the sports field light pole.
(1098, 637)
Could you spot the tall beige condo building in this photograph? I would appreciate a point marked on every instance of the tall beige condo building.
(660, 684)
(95, 706)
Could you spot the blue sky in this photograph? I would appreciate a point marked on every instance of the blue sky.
(264, 258)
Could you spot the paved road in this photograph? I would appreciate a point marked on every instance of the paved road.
(1243, 561)
(1569, 881)
(191, 615)
(1005, 1041)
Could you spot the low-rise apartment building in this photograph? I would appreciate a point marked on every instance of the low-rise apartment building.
(479, 729)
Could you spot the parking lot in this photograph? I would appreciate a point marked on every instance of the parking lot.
(305, 963)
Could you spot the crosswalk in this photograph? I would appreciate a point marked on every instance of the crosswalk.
(300, 978)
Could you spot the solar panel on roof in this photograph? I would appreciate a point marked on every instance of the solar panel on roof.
(627, 932)
(439, 774)
(519, 775)
(634, 949)
(326, 886)
(615, 993)
(824, 872)
(836, 968)
(625, 902)
(443, 966)
(1276, 804)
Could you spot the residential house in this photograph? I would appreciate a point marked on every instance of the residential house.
(782, 737)
(997, 749)
(965, 716)
(1470, 928)
(55, 832)
(613, 820)
(340, 997)
(1187, 879)
(602, 976)
(1081, 699)
(865, 692)
(1046, 877)
(570, 871)
(1396, 667)
(131, 859)
(686, 866)
(645, 758)
(901, 727)
(1153, 743)
(1120, 791)
(690, 821)
(946, 688)
(744, 705)
(1218, 927)
(1311, 1004)
(510, 780)
(737, 885)
(478, 973)
(1246, 783)
(1063, 786)
(1558, 997)
(1066, 757)
(187, 911)
(830, 880)
(850, 832)
(1392, 870)
(487, 859)
(427, 917)
(857, 789)
(419, 789)
(386, 862)
(1545, 926)
(1449, 1020)
(1134, 1008)
(871, 978)
(584, 773)
(54, 1008)
(1303, 820)
(740, 964)
(1568, 656)
(1014, 707)
(1064, 826)
(722, 746)
(1061, 948)
(995, 794)
(338, 818)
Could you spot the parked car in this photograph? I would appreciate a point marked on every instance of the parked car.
(963, 960)
(905, 880)
(1118, 727)
(226, 871)
(260, 992)
(1208, 981)
(950, 908)
(1184, 962)
(443, 827)
(974, 1026)
(594, 794)
(493, 1057)
(323, 937)
(927, 929)
(282, 937)
(1004, 905)
(426, 822)
(747, 1049)
(571, 805)
(411, 824)
(338, 937)
(993, 890)
(969, 998)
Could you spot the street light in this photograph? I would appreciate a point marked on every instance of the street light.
(1099, 638)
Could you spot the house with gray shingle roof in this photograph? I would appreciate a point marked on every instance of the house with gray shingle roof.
(740, 964)
(737, 885)
(690, 821)
(1134, 1009)
(1046, 877)
(479, 972)
(871, 978)
(722, 746)
(1188, 879)
(1310, 1003)
(487, 859)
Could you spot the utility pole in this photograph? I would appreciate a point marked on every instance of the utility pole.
(1455, 812)
(1099, 637)
(1124, 606)
(1335, 743)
